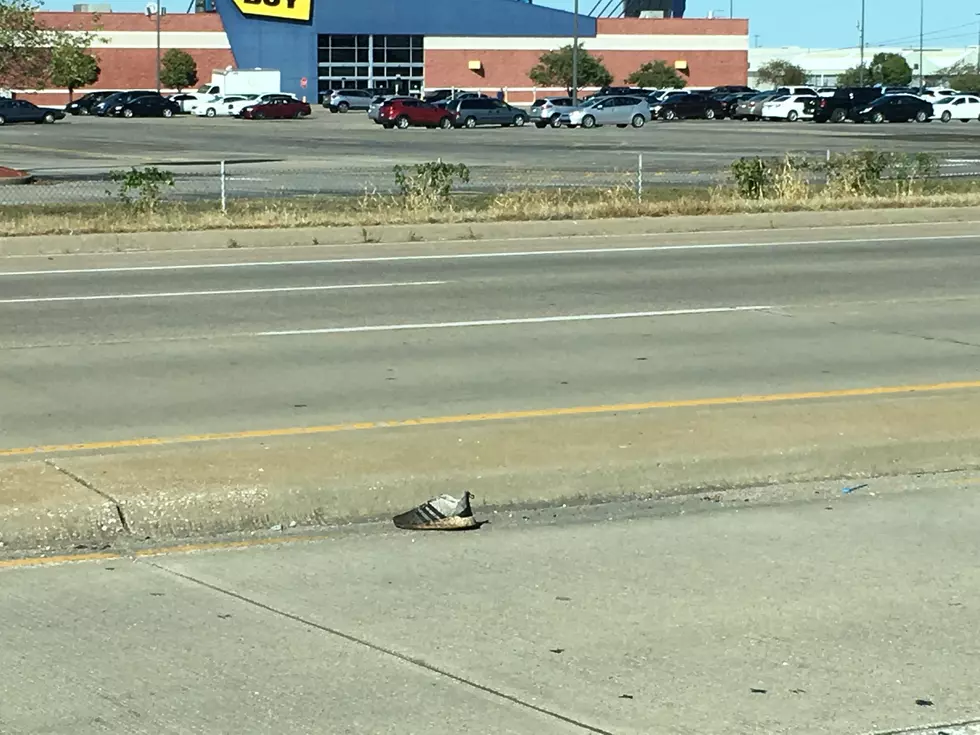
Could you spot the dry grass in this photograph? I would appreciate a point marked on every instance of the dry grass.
(792, 194)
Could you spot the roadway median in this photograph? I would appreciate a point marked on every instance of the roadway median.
(158, 490)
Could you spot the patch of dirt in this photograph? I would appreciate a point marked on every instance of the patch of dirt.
(11, 173)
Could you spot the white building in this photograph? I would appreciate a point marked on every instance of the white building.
(823, 65)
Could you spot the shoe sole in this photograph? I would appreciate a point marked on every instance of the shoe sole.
(453, 523)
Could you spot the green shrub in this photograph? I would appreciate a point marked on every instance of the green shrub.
(430, 184)
(142, 188)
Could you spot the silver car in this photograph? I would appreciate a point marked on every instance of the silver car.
(548, 110)
(342, 100)
(620, 111)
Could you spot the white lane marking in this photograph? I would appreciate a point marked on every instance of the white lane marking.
(229, 292)
(510, 322)
(478, 256)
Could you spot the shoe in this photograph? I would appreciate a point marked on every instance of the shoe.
(444, 513)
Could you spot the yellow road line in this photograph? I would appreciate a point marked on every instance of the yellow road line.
(34, 561)
(143, 442)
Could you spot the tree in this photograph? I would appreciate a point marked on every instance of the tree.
(72, 67)
(554, 69)
(853, 77)
(657, 75)
(966, 82)
(890, 70)
(780, 73)
(178, 69)
(26, 45)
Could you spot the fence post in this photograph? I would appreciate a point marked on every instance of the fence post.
(224, 194)
(639, 177)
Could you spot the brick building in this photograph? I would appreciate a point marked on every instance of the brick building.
(413, 44)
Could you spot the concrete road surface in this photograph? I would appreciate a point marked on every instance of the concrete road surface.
(856, 614)
(100, 348)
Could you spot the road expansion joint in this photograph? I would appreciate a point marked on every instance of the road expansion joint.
(384, 651)
(89, 486)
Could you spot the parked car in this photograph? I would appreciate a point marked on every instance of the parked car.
(933, 95)
(342, 100)
(120, 98)
(228, 105)
(729, 102)
(691, 105)
(403, 113)
(468, 113)
(234, 107)
(826, 91)
(15, 111)
(844, 103)
(188, 102)
(789, 107)
(151, 105)
(547, 110)
(751, 108)
(895, 108)
(733, 89)
(374, 111)
(619, 110)
(278, 108)
(438, 95)
(457, 96)
(84, 104)
(962, 107)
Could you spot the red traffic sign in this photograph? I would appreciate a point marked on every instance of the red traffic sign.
(302, 82)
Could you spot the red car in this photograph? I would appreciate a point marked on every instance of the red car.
(407, 113)
(277, 108)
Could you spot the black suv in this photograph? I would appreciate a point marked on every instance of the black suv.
(844, 103)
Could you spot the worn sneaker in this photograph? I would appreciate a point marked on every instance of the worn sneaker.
(444, 513)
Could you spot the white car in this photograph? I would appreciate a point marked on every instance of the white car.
(789, 107)
(934, 95)
(215, 106)
(188, 102)
(234, 108)
(963, 107)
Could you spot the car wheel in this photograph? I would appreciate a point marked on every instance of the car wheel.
(343, 107)
(878, 118)
(588, 121)
(446, 123)
(837, 116)
(639, 121)
(792, 116)
(921, 116)
(709, 114)
(556, 121)
(402, 122)
(127, 112)
(540, 124)
(258, 116)
(670, 115)
(946, 117)
(211, 112)
(519, 121)
(470, 122)
(83, 111)
(3, 120)
(167, 112)
(49, 118)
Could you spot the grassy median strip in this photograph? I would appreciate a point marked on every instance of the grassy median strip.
(856, 181)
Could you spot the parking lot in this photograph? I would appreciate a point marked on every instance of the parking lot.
(349, 153)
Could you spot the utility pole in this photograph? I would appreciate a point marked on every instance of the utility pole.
(731, 9)
(922, 28)
(978, 44)
(158, 10)
(575, 54)
(861, 82)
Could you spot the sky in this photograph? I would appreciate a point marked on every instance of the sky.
(807, 23)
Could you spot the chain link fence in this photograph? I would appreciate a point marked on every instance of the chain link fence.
(224, 182)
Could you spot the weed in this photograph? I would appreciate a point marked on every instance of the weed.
(142, 189)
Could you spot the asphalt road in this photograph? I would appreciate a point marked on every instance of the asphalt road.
(845, 614)
(106, 347)
(348, 153)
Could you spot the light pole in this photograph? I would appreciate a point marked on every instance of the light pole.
(861, 82)
(575, 54)
(159, 11)
(978, 44)
(922, 28)
(731, 9)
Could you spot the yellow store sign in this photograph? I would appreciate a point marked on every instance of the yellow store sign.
(280, 9)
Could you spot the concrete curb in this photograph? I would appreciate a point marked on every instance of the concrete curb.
(193, 491)
(367, 236)
(16, 180)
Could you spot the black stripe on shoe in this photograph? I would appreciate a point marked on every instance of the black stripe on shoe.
(429, 507)
(425, 513)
